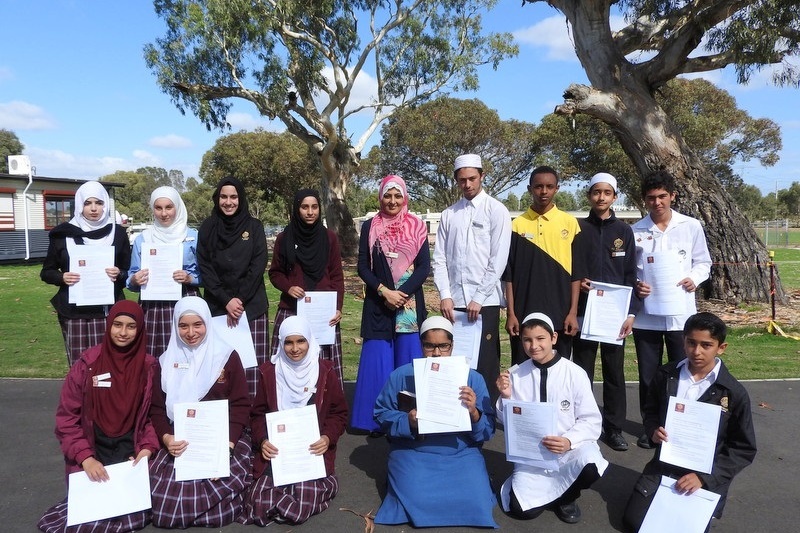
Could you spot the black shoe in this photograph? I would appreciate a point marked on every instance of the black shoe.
(645, 442)
(616, 441)
(569, 512)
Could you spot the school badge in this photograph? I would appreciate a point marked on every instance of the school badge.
(221, 378)
(565, 405)
(245, 235)
(564, 234)
(723, 402)
(617, 245)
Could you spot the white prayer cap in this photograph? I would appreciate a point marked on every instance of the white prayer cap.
(436, 322)
(468, 160)
(603, 177)
(539, 316)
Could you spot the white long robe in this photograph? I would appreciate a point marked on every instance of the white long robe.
(579, 420)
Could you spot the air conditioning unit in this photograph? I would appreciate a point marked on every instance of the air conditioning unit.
(19, 165)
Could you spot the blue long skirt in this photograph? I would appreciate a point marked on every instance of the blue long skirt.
(378, 358)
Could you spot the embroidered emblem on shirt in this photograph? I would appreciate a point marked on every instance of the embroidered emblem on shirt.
(564, 234)
(221, 378)
(245, 235)
(617, 245)
(565, 405)
(723, 402)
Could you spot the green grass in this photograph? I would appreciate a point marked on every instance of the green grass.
(31, 344)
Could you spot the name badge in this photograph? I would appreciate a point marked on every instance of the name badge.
(181, 366)
(617, 254)
(392, 255)
(100, 380)
(529, 235)
(313, 390)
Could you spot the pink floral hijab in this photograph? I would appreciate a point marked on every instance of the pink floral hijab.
(402, 234)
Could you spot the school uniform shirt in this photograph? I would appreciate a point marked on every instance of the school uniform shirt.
(540, 263)
(471, 252)
(189, 261)
(579, 420)
(608, 254)
(686, 235)
(736, 438)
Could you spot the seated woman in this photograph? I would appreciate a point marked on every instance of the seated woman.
(197, 366)
(436, 480)
(294, 377)
(100, 426)
(548, 377)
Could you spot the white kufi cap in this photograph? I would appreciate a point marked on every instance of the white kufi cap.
(436, 322)
(603, 177)
(468, 160)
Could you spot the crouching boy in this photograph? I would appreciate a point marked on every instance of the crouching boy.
(701, 376)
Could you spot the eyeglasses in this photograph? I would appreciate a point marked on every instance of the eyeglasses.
(442, 347)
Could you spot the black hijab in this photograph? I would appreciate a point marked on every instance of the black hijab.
(306, 244)
(225, 230)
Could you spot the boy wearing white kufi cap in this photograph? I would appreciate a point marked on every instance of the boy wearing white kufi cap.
(471, 252)
(609, 255)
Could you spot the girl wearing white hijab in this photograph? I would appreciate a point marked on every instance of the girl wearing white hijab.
(295, 377)
(198, 366)
(92, 224)
(169, 227)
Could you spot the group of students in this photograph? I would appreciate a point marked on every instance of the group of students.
(117, 402)
(540, 266)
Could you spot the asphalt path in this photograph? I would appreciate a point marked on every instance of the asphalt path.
(764, 497)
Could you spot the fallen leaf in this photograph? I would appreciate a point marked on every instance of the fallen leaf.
(765, 405)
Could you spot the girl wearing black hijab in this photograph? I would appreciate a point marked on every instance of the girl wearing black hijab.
(307, 258)
(232, 255)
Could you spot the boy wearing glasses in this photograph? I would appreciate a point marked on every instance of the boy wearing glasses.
(449, 464)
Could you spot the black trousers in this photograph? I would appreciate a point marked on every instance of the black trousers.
(489, 354)
(587, 476)
(612, 359)
(650, 352)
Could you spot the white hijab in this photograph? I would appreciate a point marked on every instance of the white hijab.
(187, 373)
(175, 232)
(295, 381)
(93, 189)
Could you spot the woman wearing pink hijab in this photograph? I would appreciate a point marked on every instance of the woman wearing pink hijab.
(393, 261)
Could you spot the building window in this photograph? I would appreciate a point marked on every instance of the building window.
(58, 207)
(6, 209)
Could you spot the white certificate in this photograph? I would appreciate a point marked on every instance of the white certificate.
(692, 432)
(467, 337)
(204, 425)
(162, 260)
(606, 309)
(663, 271)
(91, 262)
(126, 491)
(318, 308)
(438, 381)
(292, 431)
(526, 424)
(238, 338)
(670, 511)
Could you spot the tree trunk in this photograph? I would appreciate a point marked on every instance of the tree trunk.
(336, 169)
(740, 271)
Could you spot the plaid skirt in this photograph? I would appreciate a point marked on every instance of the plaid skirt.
(200, 502)
(259, 330)
(331, 352)
(294, 503)
(80, 334)
(54, 520)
